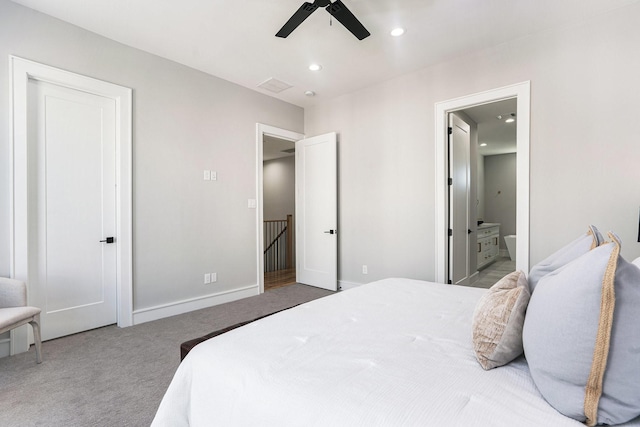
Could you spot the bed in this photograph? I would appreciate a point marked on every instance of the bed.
(396, 352)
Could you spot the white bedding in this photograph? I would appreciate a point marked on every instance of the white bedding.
(396, 352)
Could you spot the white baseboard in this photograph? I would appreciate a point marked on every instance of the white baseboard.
(343, 285)
(474, 278)
(185, 306)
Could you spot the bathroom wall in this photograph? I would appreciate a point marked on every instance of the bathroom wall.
(480, 183)
(500, 193)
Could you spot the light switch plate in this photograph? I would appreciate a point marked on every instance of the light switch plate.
(214, 176)
(252, 203)
(207, 175)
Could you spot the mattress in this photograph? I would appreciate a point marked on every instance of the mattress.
(396, 352)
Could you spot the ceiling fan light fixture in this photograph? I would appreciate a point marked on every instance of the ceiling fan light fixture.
(397, 32)
(315, 67)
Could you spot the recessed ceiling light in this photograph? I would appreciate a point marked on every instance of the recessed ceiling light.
(484, 144)
(315, 67)
(510, 120)
(397, 32)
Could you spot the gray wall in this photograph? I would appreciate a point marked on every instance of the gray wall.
(279, 179)
(584, 87)
(184, 121)
(500, 193)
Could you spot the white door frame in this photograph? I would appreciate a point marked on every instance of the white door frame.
(21, 70)
(261, 130)
(522, 92)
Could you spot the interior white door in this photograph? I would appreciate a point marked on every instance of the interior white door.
(317, 212)
(71, 135)
(460, 182)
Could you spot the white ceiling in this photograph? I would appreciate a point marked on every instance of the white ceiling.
(499, 136)
(234, 39)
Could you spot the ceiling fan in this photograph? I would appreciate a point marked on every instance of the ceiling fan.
(337, 9)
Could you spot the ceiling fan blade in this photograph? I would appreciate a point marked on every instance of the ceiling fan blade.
(339, 11)
(298, 18)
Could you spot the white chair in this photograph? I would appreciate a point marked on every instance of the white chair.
(14, 311)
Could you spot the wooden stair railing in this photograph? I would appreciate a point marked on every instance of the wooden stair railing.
(278, 237)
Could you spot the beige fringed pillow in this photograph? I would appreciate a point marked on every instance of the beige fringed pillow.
(498, 321)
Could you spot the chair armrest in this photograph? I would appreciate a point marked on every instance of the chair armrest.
(13, 293)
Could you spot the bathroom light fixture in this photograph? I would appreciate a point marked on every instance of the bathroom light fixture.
(397, 32)
(510, 120)
(484, 144)
(315, 67)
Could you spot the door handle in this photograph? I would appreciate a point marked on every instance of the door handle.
(108, 240)
(331, 232)
(469, 231)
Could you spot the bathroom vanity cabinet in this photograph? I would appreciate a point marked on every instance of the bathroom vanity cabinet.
(488, 243)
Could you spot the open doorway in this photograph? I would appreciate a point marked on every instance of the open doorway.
(274, 143)
(520, 93)
(278, 179)
(495, 183)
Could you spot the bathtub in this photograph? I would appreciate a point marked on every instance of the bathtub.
(510, 241)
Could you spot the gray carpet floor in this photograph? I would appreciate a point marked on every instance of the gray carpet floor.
(117, 376)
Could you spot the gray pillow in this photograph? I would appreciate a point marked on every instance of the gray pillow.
(498, 320)
(573, 250)
(582, 339)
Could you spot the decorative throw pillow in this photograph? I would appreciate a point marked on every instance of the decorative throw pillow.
(582, 339)
(498, 320)
(573, 250)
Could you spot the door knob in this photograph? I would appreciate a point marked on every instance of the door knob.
(331, 232)
(108, 240)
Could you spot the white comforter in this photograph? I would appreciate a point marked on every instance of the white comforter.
(396, 352)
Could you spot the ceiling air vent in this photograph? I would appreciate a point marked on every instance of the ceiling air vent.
(274, 85)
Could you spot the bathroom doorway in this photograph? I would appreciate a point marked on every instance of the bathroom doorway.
(496, 190)
(476, 104)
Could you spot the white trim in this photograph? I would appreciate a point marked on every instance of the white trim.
(21, 70)
(188, 305)
(261, 130)
(522, 92)
(474, 278)
(344, 285)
